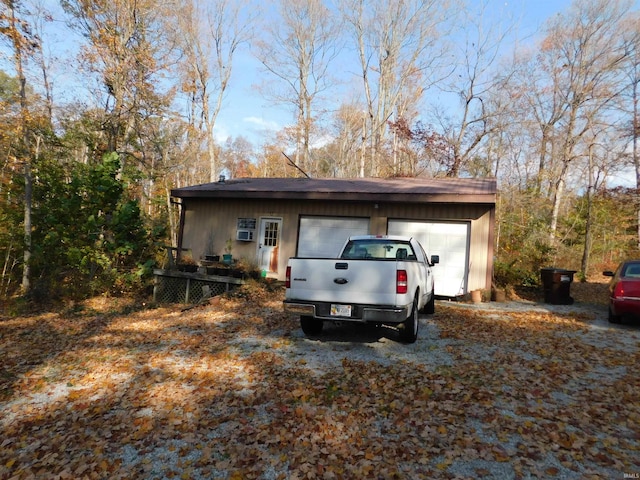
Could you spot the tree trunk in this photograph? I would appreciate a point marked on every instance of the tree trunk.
(636, 161)
(557, 200)
(17, 40)
(541, 161)
(584, 265)
(28, 199)
(173, 230)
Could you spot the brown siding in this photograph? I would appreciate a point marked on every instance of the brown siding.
(210, 222)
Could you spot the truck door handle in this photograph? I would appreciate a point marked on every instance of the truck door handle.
(340, 281)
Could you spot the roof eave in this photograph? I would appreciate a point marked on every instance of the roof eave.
(340, 196)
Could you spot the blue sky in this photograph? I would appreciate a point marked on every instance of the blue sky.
(248, 114)
(245, 112)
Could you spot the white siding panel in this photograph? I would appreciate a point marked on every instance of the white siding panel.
(323, 237)
(449, 240)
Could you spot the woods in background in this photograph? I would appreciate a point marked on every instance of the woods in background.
(389, 89)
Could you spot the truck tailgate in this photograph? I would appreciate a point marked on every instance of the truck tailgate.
(343, 281)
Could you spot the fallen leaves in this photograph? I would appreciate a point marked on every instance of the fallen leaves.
(231, 391)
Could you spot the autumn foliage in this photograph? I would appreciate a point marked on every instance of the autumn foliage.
(233, 390)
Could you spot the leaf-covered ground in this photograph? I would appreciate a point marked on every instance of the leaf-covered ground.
(234, 390)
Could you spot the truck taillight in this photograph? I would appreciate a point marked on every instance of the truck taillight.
(401, 281)
(288, 278)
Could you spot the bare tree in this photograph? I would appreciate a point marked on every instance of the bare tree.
(477, 83)
(580, 57)
(39, 16)
(401, 55)
(347, 131)
(631, 95)
(210, 34)
(602, 152)
(298, 50)
(237, 155)
(540, 92)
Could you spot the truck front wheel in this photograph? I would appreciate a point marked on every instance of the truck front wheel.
(311, 326)
(409, 328)
(430, 307)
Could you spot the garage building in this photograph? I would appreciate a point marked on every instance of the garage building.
(267, 220)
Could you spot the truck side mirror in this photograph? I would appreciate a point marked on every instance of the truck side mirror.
(435, 259)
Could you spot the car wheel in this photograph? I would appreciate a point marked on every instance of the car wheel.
(409, 328)
(311, 326)
(614, 318)
(430, 307)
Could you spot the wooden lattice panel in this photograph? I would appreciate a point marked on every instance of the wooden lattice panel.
(186, 289)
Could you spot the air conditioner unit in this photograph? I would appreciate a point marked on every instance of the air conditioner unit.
(244, 235)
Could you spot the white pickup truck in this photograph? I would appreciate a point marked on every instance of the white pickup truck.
(379, 279)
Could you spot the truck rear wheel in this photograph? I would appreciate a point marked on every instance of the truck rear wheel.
(409, 328)
(311, 326)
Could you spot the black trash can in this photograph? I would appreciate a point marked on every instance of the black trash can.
(556, 283)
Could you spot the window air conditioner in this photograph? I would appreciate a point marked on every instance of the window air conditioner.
(244, 235)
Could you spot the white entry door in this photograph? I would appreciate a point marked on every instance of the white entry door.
(269, 243)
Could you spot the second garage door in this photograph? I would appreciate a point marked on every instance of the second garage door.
(449, 240)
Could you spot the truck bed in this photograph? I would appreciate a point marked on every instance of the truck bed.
(347, 281)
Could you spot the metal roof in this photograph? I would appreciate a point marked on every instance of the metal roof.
(411, 190)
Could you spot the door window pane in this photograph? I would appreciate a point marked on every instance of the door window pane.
(270, 234)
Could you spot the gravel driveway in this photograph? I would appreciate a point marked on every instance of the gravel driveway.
(233, 389)
(526, 421)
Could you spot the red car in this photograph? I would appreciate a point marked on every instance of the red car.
(624, 291)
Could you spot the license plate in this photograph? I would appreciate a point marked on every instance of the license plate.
(340, 310)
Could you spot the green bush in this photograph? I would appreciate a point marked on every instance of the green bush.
(89, 237)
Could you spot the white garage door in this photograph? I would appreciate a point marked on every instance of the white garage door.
(323, 237)
(450, 241)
